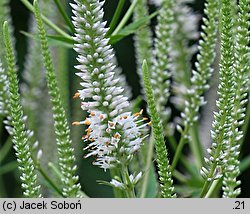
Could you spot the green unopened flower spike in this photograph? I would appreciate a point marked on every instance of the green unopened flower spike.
(160, 63)
(202, 73)
(241, 75)
(65, 150)
(4, 16)
(185, 27)
(3, 90)
(222, 124)
(164, 171)
(35, 98)
(204, 68)
(142, 38)
(20, 135)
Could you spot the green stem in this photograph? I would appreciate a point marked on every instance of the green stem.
(244, 165)
(183, 159)
(178, 151)
(64, 15)
(116, 17)
(213, 188)
(48, 179)
(117, 193)
(59, 175)
(55, 170)
(148, 166)
(207, 183)
(176, 173)
(125, 18)
(129, 191)
(47, 21)
(196, 146)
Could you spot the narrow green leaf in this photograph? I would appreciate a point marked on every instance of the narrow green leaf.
(126, 17)
(53, 40)
(131, 28)
(116, 17)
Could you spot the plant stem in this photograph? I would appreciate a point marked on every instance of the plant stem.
(207, 183)
(196, 146)
(183, 159)
(125, 18)
(130, 192)
(213, 187)
(244, 165)
(180, 146)
(59, 175)
(117, 193)
(47, 178)
(148, 166)
(176, 174)
(116, 17)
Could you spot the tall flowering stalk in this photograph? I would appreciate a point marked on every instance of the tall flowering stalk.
(20, 135)
(185, 28)
(160, 64)
(114, 135)
(200, 76)
(65, 151)
(231, 91)
(35, 98)
(3, 90)
(241, 76)
(5, 16)
(167, 189)
(143, 37)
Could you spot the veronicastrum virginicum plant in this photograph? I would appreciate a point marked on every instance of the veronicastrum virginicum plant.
(143, 154)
